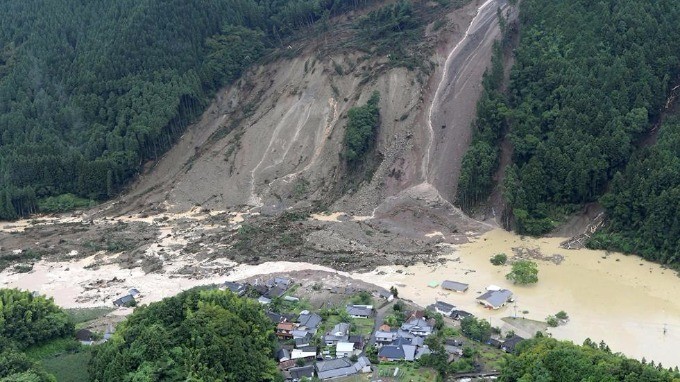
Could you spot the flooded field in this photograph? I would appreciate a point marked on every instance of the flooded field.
(629, 303)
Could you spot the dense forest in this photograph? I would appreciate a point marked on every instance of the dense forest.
(590, 82)
(545, 359)
(644, 202)
(91, 90)
(198, 335)
(25, 321)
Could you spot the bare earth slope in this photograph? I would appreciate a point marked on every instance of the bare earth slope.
(275, 138)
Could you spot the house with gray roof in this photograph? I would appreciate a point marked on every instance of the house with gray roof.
(460, 314)
(303, 341)
(297, 373)
(309, 320)
(340, 332)
(418, 327)
(127, 300)
(455, 286)
(383, 337)
(283, 355)
(495, 299)
(300, 333)
(341, 367)
(360, 311)
(236, 288)
(283, 282)
(401, 350)
(510, 343)
(444, 308)
(276, 291)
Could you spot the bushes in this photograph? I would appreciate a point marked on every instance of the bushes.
(499, 259)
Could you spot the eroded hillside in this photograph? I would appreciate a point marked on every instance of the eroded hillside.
(269, 151)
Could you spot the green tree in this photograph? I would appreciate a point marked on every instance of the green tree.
(209, 335)
(523, 272)
(362, 128)
(476, 329)
(31, 320)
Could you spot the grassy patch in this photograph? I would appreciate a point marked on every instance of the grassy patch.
(70, 367)
(408, 372)
(363, 326)
(79, 316)
(52, 348)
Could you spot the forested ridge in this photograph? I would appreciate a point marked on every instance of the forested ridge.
(91, 90)
(198, 335)
(589, 83)
(545, 359)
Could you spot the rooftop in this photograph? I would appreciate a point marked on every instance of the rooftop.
(454, 285)
(496, 298)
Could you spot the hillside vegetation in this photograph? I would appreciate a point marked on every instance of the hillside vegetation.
(28, 321)
(197, 335)
(589, 82)
(91, 90)
(545, 359)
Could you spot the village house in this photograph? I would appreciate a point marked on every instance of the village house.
(386, 295)
(344, 349)
(360, 311)
(235, 288)
(495, 299)
(275, 292)
(281, 282)
(509, 344)
(342, 367)
(300, 333)
(444, 308)
(340, 332)
(305, 352)
(385, 336)
(460, 314)
(309, 321)
(418, 327)
(127, 300)
(401, 350)
(284, 330)
(455, 286)
(283, 355)
(298, 373)
(303, 341)
(358, 342)
(276, 317)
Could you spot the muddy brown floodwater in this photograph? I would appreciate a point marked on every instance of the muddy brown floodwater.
(629, 303)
